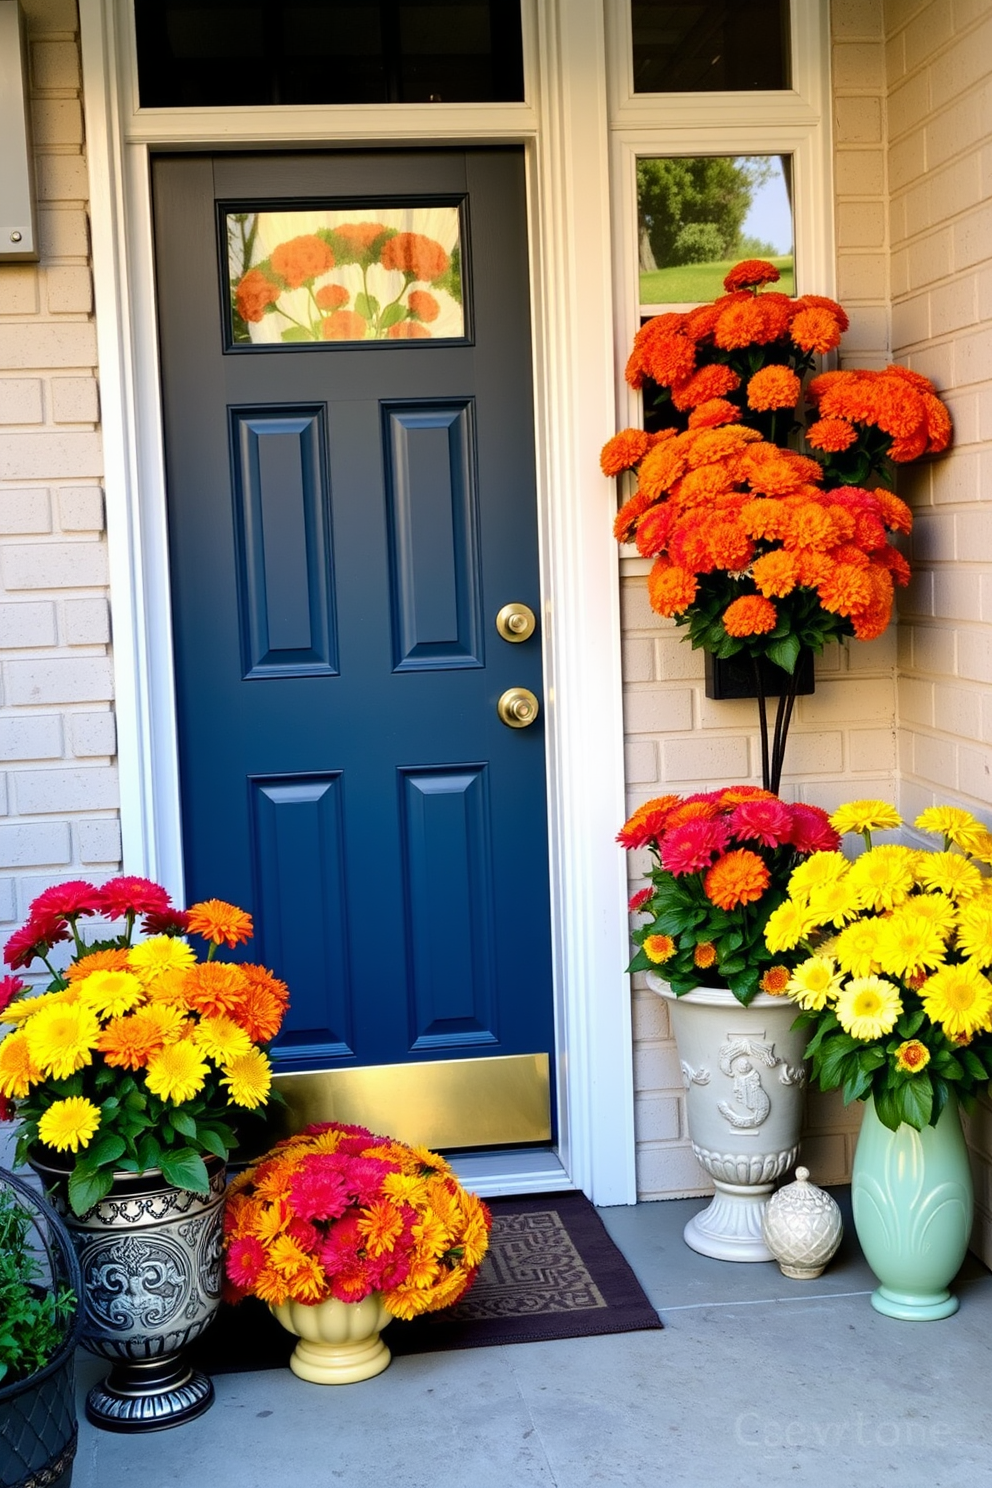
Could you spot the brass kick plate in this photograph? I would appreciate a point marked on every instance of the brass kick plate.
(444, 1103)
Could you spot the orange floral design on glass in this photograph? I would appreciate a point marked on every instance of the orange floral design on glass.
(323, 275)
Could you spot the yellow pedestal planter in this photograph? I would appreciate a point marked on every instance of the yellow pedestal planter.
(339, 1341)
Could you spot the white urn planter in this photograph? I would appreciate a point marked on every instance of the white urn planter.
(745, 1095)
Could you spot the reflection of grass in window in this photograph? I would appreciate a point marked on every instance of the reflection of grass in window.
(694, 283)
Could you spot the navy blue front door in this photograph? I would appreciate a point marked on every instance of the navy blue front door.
(346, 519)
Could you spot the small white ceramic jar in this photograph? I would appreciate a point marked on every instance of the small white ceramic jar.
(802, 1227)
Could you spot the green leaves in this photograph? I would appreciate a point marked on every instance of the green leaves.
(87, 1187)
(186, 1169)
(32, 1319)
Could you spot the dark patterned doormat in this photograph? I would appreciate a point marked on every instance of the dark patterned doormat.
(552, 1271)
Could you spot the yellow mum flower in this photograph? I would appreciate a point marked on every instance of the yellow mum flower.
(982, 847)
(868, 1007)
(856, 948)
(161, 953)
(866, 816)
(815, 982)
(69, 1124)
(22, 1008)
(62, 1038)
(939, 910)
(248, 1077)
(955, 825)
(787, 925)
(819, 870)
(975, 932)
(911, 1057)
(959, 998)
(951, 874)
(111, 993)
(169, 988)
(177, 1072)
(883, 877)
(908, 943)
(221, 1039)
(18, 1071)
(834, 903)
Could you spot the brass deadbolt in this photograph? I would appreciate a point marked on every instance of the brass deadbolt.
(518, 707)
(516, 622)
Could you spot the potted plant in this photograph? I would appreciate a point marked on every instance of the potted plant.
(338, 1231)
(896, 1006)
(40, 1323)
(767, 541)
(721, 862)
(128, 1075)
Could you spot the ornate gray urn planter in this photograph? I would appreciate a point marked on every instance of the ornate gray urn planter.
(150, 1256)
(745, 1098)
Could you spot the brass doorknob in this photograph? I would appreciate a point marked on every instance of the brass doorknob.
(518, 707)
(516, 622)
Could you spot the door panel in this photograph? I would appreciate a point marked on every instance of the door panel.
(345, 523)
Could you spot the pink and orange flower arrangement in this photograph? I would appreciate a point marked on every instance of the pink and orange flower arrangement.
(770, 535)
(721, 862)
(340, 1212)
(138, 1055)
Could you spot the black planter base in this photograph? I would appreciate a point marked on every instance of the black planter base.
(150, 1395)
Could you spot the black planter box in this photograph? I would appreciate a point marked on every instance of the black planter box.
(734, 677)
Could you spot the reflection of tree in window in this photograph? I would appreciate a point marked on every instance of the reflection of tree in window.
(692, 209)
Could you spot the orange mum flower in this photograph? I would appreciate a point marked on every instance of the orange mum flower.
(260, 976)
(223, 923)
(646, 821)
(412, 253)
(332, 296)
(709, 382)
(671, 589)
(669, 359)
(750, 273)
(260, 1015)
(624, 451)
(938, 422)
(628, 514)
(765, 517)
(129, 1043)
(837, 311)
(97, 961)
(423, 305)
(662, 466)
(359, 236)
(659, 948)
(408, 330)
(712, 413)
(910, 448)
(216, 987)
(775, 573)
(815, 329)
(845, 589)
(653, 530)
(809, 526)
(705, 954)
(775, 980)
(831, 435)
(749, 323)
(301, 259)
(773, 387)
(254, 293)
(750, 615)
(812, 566)
(343, 325)
(740, 877)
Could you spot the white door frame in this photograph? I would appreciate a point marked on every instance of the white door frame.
(563, 126)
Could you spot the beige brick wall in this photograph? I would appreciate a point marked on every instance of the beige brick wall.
(842, 742)
(58, 789)
(939, 69)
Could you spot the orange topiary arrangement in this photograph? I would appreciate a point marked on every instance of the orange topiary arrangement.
(770, 534)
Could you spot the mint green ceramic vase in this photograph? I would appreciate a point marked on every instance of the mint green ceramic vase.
(913, 1204)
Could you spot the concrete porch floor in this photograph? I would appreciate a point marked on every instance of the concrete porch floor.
(755, 1379)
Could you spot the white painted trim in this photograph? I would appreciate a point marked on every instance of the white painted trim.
(493, 1174)
(569, 182)
(796, 124)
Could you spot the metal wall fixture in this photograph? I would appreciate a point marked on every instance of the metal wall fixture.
(18, 223)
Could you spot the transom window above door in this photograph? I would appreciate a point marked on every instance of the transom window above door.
(220, 53)
(706, 46)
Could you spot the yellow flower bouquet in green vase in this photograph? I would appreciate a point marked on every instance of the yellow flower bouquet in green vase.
(895, 988)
